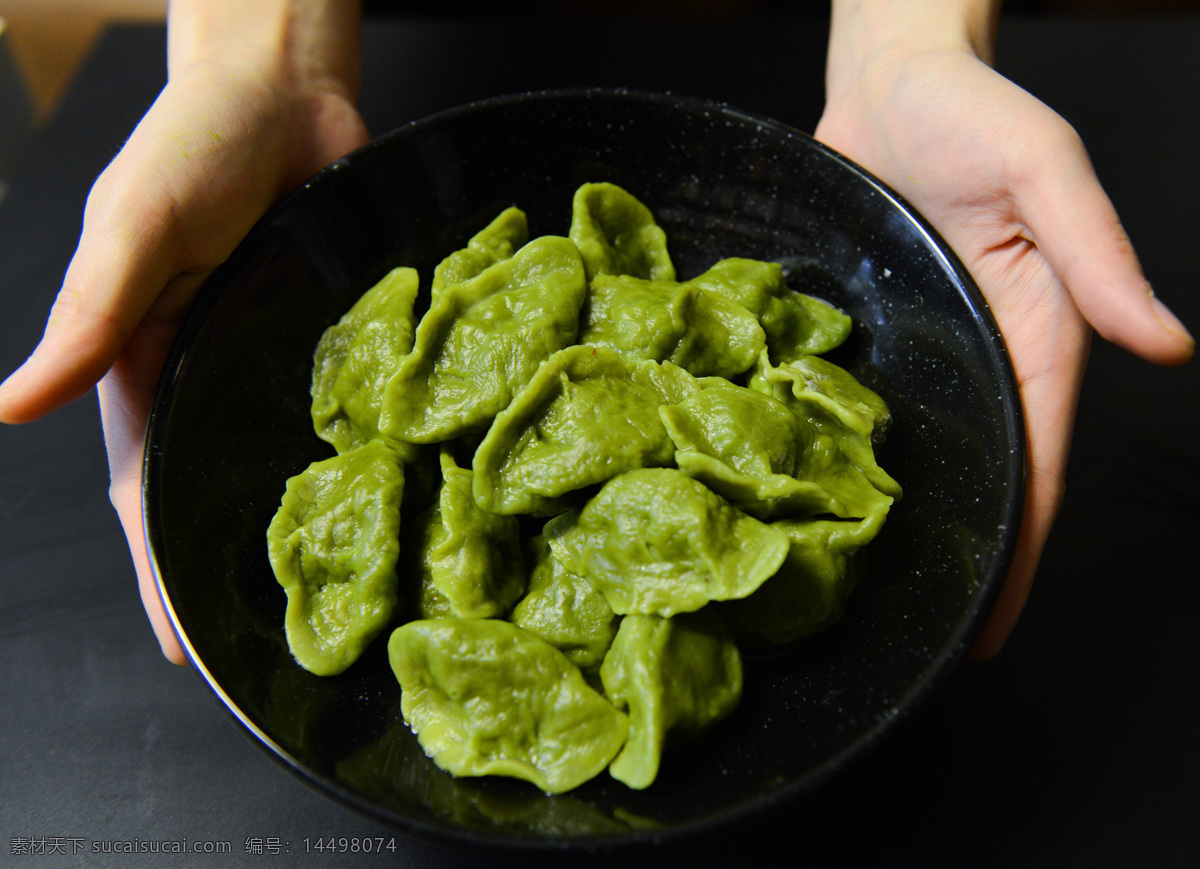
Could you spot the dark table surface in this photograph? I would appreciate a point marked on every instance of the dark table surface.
(1078, 746)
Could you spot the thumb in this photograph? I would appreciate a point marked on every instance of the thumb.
(119, 272)
(169, 208)
(1076, 228)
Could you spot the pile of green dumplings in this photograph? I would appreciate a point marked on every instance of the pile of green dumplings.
(572, 489)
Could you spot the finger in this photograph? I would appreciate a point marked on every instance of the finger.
(1049, 367)
(123, 405)
(175, 201)
(126, 499)
(126, 393)
(1043, 497)
(1074, 224)
(128, 252)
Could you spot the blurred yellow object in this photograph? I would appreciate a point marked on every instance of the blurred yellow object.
(16, 111)
(49, 39)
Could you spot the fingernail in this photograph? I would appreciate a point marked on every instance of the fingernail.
(1168, 319)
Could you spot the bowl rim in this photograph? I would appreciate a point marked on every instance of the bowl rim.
(907, 704)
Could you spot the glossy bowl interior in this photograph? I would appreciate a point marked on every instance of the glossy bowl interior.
(231, 424)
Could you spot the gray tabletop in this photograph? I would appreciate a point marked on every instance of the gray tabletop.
(1077, 747)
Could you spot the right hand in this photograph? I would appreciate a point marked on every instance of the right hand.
(259, 97)
(1010, 187)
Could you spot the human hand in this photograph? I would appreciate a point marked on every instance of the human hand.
(1008, 184)
(259, 97)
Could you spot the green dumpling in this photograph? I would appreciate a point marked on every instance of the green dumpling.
(356, 356)
(675, 676)
(333, 546)
(766, 457)
(564, 610)
(668, 321)
(838, 407)
(485, 697)
(586, 416)
(482, 341)
(809, 592)
(470, 564)
(657, 542)
(617, 234)
(711, 479)
(497, 241)
(795, 324)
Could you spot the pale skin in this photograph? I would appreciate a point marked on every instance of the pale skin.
(261, 95)
(1007, 182)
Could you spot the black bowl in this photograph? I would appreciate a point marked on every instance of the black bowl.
(231, 423)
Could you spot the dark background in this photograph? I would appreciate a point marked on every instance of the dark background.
(1076, 747)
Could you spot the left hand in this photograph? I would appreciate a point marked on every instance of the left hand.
(259, 96)
(1008, 184)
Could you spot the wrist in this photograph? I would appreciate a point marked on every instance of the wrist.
(295, 41)
(868, 34)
